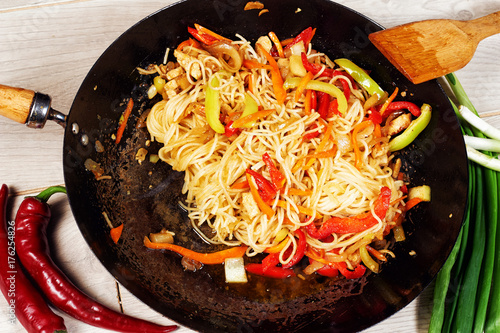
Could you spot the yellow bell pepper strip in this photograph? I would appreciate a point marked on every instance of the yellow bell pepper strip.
(116, 233)
(205, 258)
(265, 208)
(302, 85)
(276, 78)
(277, 178)
(368, 260)
(361, 77)
(212, 106)
(253, 64)
(325, 87)
(251, 107)
(412, 131)
(277, 44)
(123, 124)
(354, 141)
(252, 118)
(352, 224)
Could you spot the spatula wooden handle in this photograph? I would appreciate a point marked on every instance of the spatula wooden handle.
(15, 103)
(482, 27)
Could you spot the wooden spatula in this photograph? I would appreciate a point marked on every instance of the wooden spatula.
(429, 49)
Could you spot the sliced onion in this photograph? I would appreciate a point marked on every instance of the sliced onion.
(222, 51)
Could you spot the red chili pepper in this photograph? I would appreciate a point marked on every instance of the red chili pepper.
(358, 272)
(375, 116)
(230, 130)
(352, 224)
(301, 250)
(277, 178)
(272, 272)
(394, 106)
(266, 190)
(305, 36)
(32, 219)
(24, 300)
(204, 38)
(324, 103)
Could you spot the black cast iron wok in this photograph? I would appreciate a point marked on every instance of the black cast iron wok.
(144, 197)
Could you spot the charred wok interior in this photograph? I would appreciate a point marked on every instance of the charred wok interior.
(145, 196)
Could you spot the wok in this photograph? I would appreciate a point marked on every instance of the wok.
(145, 197)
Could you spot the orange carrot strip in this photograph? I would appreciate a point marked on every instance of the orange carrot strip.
(296, 191)
(116, 233)
(277, 248)
(264, 207)
(412, 203)
(188, 42)
(126, 114)
(376, 253)
(204, 258)
(325, 154)
(277, 43)
(354, 140)
(253, 64)
(302, 85)
(204, 30)
(308, 102)
(321, 146)
(388, 101)
(240, 185)
(276, 78)
(252, 117)
(287, 41)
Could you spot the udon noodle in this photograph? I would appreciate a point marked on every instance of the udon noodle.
(316, 155)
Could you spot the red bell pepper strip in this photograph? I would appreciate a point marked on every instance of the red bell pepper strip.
(305, 36)
(277, 178)
(375, 117)
(311, 135)
(126, 115)
(352, 224)
(271, 260)
(202, 37)
(301, 249)
(264, 207)
(394, 106)
(272, 272)
(333, 108)
(326, 270)
(358, 272)
(266, 190)
(229, 130)
(32, 220)
(22, 297)
(323, 104)
(314, 100)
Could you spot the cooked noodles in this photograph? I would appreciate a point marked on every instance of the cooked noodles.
(323, 178)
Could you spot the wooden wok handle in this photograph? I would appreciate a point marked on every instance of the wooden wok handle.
(15, 103)
(28, 107)
(482, 27)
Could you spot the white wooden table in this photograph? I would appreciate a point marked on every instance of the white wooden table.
(50, 45)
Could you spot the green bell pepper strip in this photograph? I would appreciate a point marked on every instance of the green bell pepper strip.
(361, 77)
(325, 87)
(250, 108)
(415, 128)
(212, 106)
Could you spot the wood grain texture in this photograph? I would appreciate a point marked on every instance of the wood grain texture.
(50, 45)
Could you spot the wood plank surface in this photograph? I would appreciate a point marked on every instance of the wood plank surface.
(50, 45)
